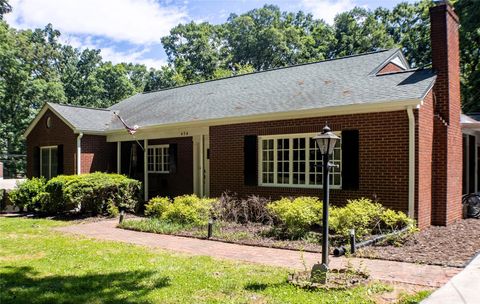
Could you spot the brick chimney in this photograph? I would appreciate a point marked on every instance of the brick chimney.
(447, 149)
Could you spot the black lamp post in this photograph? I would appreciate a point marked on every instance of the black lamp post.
(326, 142)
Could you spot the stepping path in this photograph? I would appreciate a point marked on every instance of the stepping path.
(387, 271)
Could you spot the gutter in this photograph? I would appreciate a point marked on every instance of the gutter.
(411, 162)
(79, 153)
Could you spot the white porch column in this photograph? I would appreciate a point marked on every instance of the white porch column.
(119, 157)
(145, 169)
(79, 153)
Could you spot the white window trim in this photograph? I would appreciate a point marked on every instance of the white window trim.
(155, 158)
(307, 161)
(49, 148)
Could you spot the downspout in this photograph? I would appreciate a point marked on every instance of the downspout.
(411, 163)
(79, 153)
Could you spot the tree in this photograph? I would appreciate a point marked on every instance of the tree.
(5, 8)
(114, 83)
(267, 38)
(28, 79)
(359, 31)
(409, 26)
(194, 49)
(469, 13)
(164, 78)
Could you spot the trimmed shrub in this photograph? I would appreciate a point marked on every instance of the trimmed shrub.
(185, 210)
(366, 217)
(394, 220)
(95, 193)
(230, 208)
(28, 194)
(296, 216)
(157, 206)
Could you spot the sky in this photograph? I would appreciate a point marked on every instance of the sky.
(130, 30)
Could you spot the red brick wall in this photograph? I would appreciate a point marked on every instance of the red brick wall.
(390, 68)
(98, 154)
(58, 134)
(383, 156)
(180, 182)
(447, 149)
(424, 136)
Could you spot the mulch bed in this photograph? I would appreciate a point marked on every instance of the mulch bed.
(453, 246)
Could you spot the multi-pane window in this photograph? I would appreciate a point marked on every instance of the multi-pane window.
(48, 162)
(295, 161)
(158, 159)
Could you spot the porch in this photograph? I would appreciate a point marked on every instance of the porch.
(471, 154)
(168, 163)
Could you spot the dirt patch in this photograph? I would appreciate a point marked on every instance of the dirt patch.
(454, 246)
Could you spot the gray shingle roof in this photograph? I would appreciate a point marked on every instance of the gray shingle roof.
(344, 81)
(85, 119)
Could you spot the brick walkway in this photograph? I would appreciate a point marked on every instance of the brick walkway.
(388, 271)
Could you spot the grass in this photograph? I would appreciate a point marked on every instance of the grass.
(160, 226)
(39, 265)
(414, 298)
(153, 225)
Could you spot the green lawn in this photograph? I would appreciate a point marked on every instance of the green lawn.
(38, 265)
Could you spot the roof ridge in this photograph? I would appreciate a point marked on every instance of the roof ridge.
(271, 70)
(77, 106)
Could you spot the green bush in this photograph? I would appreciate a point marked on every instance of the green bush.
(296, 216)
(95, 193)
(185, 210)
(28, 194)
(157, 206)
(366, 217)
(361, 214)
(395, 220)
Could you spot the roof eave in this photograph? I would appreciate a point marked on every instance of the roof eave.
(386, 106)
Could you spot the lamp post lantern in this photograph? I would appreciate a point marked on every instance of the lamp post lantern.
(326, 141)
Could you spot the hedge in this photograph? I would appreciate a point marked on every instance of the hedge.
(94, 193)
(292, 218)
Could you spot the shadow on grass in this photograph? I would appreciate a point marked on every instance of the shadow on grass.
(20, 285)
(257, 287)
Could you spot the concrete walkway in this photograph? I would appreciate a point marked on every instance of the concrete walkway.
(464, 288)
(387, 271)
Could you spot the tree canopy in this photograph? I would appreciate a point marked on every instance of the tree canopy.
(35, 67)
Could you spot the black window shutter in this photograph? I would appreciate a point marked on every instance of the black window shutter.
(59, 159)
(250, 160)
(36, 162)
(172, 156)
(350, 160)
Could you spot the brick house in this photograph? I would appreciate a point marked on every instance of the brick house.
(401, 137)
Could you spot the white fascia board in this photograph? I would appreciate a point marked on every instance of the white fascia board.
(199, 127)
